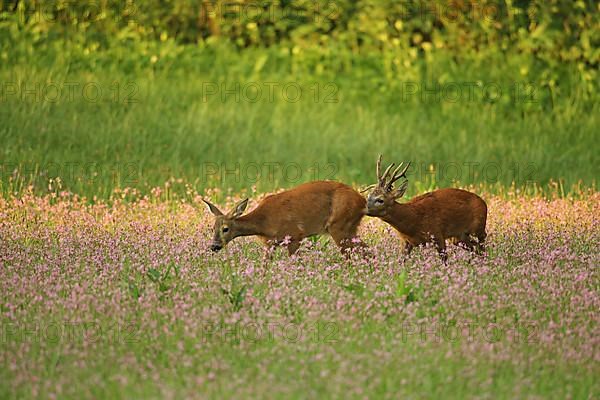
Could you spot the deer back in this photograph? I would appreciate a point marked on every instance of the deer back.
(449, 212)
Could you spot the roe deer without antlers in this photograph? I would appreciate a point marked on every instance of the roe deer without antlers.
(309, 209)
(432, 217)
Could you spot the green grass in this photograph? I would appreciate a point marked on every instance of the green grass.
(317, 370)
(174, 129)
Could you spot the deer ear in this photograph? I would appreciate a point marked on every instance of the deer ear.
(213, 209)
(239, 208)
(396, 194)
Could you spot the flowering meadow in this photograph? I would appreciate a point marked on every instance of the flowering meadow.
(122, 298)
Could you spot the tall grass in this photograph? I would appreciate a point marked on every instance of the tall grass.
(184, 118)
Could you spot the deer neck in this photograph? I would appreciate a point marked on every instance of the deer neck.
(403, 217)
(250, 224)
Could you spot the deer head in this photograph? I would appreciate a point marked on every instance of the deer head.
(226, 226)
(383, 194)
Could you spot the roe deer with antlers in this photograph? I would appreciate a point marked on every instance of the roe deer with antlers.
(309, 209)
(432, 217)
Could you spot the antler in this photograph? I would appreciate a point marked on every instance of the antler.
(382, 180)
(396, 176)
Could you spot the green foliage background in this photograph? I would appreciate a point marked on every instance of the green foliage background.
(554, 31)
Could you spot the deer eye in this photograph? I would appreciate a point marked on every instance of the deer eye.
(225, 229)
(379, 201)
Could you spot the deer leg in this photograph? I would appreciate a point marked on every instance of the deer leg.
(267, 256)
(271, 247)
(440, 245)
(345, 244)
(269, 251)
(293, 247)
(348, 243)
(480, 245)
(344, 235)
(466, 241)
(343, 225)
(361, 247)
(408, 248)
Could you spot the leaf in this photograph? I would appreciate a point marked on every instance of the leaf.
(154, 275)
(401, 289)
(238, 298)
(163, 287)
